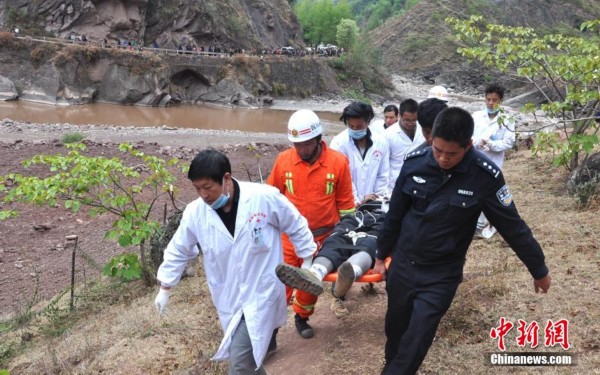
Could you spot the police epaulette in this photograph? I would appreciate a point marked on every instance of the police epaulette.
(414, 154)
(489, 167)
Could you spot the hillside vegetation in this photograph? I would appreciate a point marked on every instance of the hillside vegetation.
(419, 41)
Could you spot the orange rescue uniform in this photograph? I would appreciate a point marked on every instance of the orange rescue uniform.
(322, 192)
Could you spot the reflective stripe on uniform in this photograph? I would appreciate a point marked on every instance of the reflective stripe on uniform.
(346, 212)
(288, 182)
(330, 183)
(305, 307)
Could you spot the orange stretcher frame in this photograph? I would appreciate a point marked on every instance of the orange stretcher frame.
(368, 277)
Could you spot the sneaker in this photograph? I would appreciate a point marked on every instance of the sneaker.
(338, 308)
(273, 344)
(304, 329)
(299, 278)
(488, 232)
(344, 280)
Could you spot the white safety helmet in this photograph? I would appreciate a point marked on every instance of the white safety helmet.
(438, 92)
(304, 125)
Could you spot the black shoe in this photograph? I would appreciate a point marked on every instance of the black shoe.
(304, 329)
(273, 344)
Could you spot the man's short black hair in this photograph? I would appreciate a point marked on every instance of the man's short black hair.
(428, 111)
(495, 88)
(358, 110)
(211, 164)
(391, 108)
(454, 124)
(408, 105)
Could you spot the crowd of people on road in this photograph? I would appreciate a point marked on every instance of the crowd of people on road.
(413, 190)
(191, 47)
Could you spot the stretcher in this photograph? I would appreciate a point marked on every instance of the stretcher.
(368, 277)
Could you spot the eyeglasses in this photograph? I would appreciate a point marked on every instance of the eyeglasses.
(413, 122)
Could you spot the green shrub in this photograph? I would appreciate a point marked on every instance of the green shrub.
(72, 138)
(279, 89)
(125, 267)
(356, 95)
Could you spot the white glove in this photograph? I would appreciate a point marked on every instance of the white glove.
(162, 299)
(307, 263)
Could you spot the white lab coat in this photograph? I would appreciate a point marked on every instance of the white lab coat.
(369, 175)
(377, 126)
(400, 145)
(501, 137)
(240, 270)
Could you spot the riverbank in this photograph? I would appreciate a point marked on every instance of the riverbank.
(329, 109)
(17, 131)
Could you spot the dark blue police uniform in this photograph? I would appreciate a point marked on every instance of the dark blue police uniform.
(428, 229)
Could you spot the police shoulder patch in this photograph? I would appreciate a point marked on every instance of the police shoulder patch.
(489, 167)
(415, 154)
(504, 196)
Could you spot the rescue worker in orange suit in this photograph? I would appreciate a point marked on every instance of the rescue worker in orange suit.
(317, 180)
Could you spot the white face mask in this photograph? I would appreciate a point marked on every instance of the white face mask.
(222, 200)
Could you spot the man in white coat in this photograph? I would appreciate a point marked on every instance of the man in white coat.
(390, 117)
(238, 227)
(403, 137)
(369, 166)
(494, 134)
(368, 153)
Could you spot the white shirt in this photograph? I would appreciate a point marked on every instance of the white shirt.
(499, 132)
(377, 126)
(240, 269)
(369, 175)
(400, 145)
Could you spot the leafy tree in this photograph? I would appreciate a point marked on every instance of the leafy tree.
(347, 32)
(565, 69)
(104, 185)
(370, 14)
(319, 18)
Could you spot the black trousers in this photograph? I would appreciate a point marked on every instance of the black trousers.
(418, 298)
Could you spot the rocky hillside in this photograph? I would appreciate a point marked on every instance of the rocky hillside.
(421, 42)
(219, 23)
(63, 73)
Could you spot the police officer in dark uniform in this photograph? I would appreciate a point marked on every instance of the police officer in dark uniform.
(430, 224)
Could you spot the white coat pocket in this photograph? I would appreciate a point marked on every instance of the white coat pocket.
(258, 244)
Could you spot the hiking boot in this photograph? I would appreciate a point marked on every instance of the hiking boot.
(344, 280)
(304, 329)
(338, 308)
(273, 344)
(299, 278)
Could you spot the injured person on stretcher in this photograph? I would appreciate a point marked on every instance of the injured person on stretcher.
(349, 250)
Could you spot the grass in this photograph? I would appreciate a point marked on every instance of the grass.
(72, 138)
(116, 330)
(356, 94)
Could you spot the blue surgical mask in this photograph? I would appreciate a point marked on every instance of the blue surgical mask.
(357, 134)
(494, 111)
(222, 200)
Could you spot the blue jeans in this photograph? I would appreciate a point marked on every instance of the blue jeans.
(241, 360)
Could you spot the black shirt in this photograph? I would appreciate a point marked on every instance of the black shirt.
(228, 218)
(433, 213)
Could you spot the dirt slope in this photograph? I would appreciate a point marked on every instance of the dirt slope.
(120, 333)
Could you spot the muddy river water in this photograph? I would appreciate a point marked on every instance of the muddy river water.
(183, 116)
